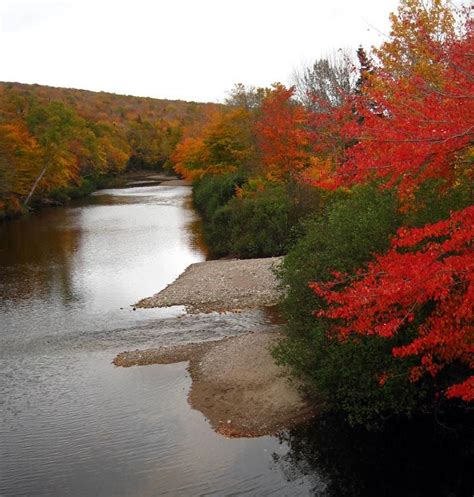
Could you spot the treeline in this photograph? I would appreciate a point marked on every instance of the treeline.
(56, 143)
(362, 175)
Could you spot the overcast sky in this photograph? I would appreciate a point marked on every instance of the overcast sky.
(178, 49)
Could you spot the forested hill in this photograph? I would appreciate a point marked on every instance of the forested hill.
(57, 142)
(110, 106)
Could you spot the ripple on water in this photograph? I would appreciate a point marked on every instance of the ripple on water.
(126, 432)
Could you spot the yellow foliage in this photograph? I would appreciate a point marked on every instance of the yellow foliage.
(223, 145)
(418, 31)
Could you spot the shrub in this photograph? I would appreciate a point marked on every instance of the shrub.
(256, 226)
(262, 221)
(214, 191)
(342, 375)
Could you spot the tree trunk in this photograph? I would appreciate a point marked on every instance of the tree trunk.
(35, 184)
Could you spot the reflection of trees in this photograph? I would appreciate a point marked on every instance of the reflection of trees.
(194, 228)
(36, 255)
(417, 459)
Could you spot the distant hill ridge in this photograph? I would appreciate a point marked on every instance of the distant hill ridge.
(93, 105)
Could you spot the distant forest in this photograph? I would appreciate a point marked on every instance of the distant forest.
(56, 142)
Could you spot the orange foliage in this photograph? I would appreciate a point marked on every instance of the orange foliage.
(221, 145)
(282, 134)
(61, 136)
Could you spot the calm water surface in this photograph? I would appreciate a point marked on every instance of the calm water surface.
(72, 424)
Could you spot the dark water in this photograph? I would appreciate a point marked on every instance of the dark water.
(71, 424)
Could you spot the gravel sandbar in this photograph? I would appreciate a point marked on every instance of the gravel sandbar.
(223, 285)
(236, 383)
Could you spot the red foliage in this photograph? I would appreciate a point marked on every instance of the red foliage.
(431, 265)
(282, 134)
(411, 129)
(329, 140)
(408, 127)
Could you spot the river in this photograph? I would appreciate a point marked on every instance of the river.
(72, 424)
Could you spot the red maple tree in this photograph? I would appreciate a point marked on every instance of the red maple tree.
(410, 130)
(282, 134)
(433, 265)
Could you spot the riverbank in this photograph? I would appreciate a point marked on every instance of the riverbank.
(235, 383)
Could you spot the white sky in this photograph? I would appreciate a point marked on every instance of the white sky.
(178, 49)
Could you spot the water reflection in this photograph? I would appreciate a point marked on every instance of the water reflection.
(195, 230)
(73, 269)
(409, 459)
(35, 257)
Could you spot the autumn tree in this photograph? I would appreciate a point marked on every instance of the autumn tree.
(19, 151)
(422, 133)
(58, 130)
(246, 97)
(282, 134)
(419, 31)
(225, 144)
(190, 158)
(147, 143)
(421, 291)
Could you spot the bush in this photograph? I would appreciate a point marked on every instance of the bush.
(262, 223)
(434, 202)
(256, 226)
(342, 375)
(214, 191)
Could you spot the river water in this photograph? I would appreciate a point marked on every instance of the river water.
(72, 424)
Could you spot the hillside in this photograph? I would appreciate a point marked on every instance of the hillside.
(60, 142)
(110, 106)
